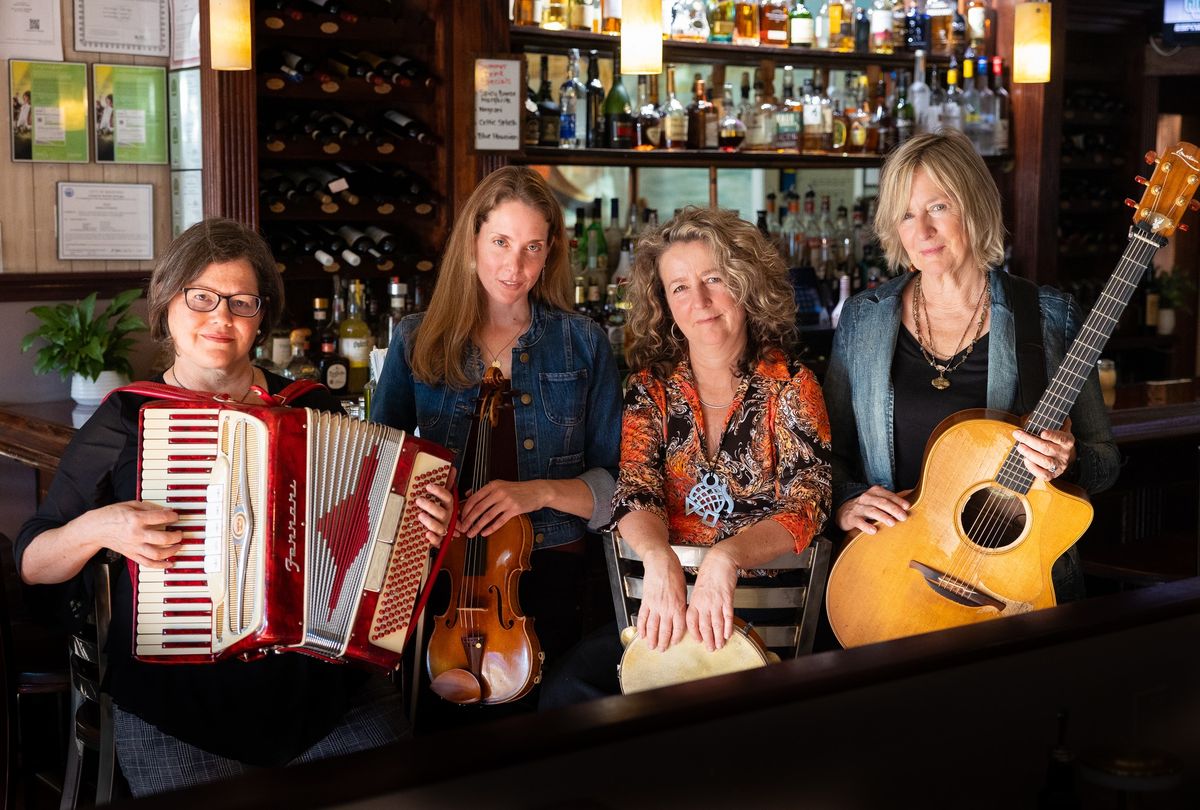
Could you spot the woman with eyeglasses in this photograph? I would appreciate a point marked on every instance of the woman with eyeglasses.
(214, 295)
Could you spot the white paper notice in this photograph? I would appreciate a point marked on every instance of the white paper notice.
(31, 29)
(187, 201)
(48, 126)
(185, 34)
(131, 127)
(183, 108)
(498, 94)
(123, 26)
(105, 221)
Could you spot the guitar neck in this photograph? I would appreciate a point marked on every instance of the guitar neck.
(1056, 403)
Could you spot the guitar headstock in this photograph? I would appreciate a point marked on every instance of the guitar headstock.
(1169, 190)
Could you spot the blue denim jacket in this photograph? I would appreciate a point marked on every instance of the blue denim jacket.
(567, 409)
(860, 400)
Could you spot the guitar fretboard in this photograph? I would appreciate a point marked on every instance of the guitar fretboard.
(1056, 403)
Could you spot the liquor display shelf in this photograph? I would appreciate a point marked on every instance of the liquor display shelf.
(538, 40)
(277, 86)
(694, 158)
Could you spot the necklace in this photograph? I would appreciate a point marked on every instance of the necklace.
(708, 404)
(511, 341)
(919, 302)
(242, 398)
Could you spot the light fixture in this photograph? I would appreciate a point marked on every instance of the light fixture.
(641, 37)
(229, 34)
(1031, 42)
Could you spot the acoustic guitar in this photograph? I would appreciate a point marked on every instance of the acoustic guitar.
(983, 533)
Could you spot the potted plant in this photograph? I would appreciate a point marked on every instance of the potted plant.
(91, 348)
(1176, 293)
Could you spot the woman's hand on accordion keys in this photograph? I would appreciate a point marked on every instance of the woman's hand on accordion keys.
(133, 529)
(437, 505)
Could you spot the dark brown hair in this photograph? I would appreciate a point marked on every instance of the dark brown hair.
(212, 241)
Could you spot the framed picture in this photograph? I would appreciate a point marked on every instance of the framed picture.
(110, 221)
(130, 112)
(49, 111)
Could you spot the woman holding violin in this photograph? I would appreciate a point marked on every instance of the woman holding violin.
(502, 371)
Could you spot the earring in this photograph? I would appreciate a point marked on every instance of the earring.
(675, 328)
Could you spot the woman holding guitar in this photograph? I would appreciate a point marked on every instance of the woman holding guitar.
(952, 333)
(501, 307)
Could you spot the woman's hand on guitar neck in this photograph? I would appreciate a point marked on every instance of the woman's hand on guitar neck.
(876, 505)
(1047, 456)
(660, 618)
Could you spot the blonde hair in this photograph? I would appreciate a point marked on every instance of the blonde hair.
(454, 312)
(754, 273)
(952, 163)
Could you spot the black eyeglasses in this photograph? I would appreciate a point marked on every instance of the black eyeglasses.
(243, 305)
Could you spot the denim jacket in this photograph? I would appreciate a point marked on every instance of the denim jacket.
(859, 395)
(567, 409)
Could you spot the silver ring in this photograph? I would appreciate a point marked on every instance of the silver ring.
(1053, 468)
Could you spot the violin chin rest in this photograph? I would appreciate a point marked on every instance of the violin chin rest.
(457, 686)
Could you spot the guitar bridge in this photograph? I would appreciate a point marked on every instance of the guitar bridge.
(955, 589)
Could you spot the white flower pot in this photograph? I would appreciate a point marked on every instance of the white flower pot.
(1166, 321)
(92, 392)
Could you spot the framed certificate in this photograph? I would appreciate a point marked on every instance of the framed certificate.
(49, 111)
(130, 109)
(139, 27)
(109, 221)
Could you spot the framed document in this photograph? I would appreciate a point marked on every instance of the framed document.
(187, 200)
(31, 29)
(139, 27)
(130, 113)
(185, 34)
(110, 221)
(183, 104)
(49, 111)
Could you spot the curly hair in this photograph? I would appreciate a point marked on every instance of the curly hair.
(754, 272)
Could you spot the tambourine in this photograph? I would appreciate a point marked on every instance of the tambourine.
(642, 668)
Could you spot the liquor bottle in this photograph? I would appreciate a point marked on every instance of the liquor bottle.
(801, 33)
(310, 244)
(1059, 791)
(987, 108)
(614, 320)
(842, 38)
(731, 131)
(899, 28)
(633, 221)
(826, 107)
(597, 243)
(979, 25)
(585, 16)
(722, 16)
(841, 128)
(932, 121)
(279, 344)
(843, 297)
(524, 12)
(549, 116)
(581, 304)
(773, 23)
(761, 224)
(701, 119)
(904, 114)
(881, 131)
(531, 123)
(596, 131)
(610, 17)
(416, 72)
(958, 31)
(572, 106)
(844, 243)
(334, 369)
(1003, 108)
(397, 295)
(359, 242)
(554, 15)
(355, 340)
(788, 114)
(299, 365)
(858, 119)
(760, 122)
(579, 254)
(917, 28)
(811, 254)
(918, 93)
(406, 127)
(618, 112)
(862, 30)
(813, 126)
(745, 22)
(941, 18)
(972, 117)
(595, 297)
(881, 27)
(674, 118)
(689, 21)
(830, 14)
(624, 268)
(612, 234)
(792, 234)
(952, 114)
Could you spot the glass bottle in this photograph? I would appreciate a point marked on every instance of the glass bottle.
(773, 23)
(1003, 108)
(813, 127)
(760, 124)
(554, 15)
(903, 113)
(842, 38)
(941, 18)
(721, 17)
(614, 320)
(862, 30)
(843, 297)
(355, 340)
(397, 295)
(674, 118)
(612, 233)
(830, 14)
(918, 93)
(524, 13)
(611, 17)
(596, 131)
(531, 129)
(624, 267)
(881, 133)
(572, 105)
(585, 16)
(788, 114)
(932, 120)
(731, 131)
(801, 27)
(597, 242)
(952, 114)
(649, 122)
(745, 24)
(689, 21)
(618, 112)
(263, 359)
(881, 27)
(300, 366)
(987, 108)
(792, 234)
(549, 116)
(859, 117)
(916, 28)
(972, 118)
(334, 369)
(701, 119)
(979, 24)
(958, 31)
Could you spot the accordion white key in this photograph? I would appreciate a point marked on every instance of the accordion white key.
(300, 532)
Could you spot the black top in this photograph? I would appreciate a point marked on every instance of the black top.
(263, 712)
(919, 407)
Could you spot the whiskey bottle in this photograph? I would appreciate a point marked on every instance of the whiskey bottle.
(722, 15)
(333, 368)
(585, 16)
(881, 27)
(788, 114)
(554, 15)
(862, 30)
(731, 132)
(800, 26)
(773, 23)
(1003, 108)
(689, 21)
(813, 126)
(355, 340)
(701, 119)
(941, 18)
(649, 122)
(745, 23)
(610, 22)
(674, 118)
(299, 365)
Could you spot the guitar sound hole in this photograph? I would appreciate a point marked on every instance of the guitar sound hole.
(993, 518)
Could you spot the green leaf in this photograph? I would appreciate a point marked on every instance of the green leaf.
(87, 307)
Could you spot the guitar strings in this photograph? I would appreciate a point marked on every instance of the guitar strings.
(966, 561)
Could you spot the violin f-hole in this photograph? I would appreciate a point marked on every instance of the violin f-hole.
(495, 590)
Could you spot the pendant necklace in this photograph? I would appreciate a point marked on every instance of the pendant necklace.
(511, 341)
(709, 497)
(982, 305)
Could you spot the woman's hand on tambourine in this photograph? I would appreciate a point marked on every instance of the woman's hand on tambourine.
(497, 502)
(710, 611)
(134, 529)
(661, 620)
(876, 505)
(436, 505)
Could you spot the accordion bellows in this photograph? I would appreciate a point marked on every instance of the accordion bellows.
(300, 533)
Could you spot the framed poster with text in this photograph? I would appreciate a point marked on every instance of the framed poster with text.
(49, 111)
(130, 109)
(112, 221)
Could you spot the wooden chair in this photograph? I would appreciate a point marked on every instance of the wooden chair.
(784, 609)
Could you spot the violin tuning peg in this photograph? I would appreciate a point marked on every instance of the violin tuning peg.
(1151, 157)
(1140, 180)
(1131, 202)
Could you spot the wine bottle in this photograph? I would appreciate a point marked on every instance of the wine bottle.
(385, 243)
(407, 127)
(355, 343)
(618, 111)
(310, 244)
(415, 71)
(596, 132)
(359, 242)
(338, 247)
(549, 114)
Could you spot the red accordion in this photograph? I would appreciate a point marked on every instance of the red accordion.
(300, 532)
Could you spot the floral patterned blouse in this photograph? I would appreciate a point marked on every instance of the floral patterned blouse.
(773, 456)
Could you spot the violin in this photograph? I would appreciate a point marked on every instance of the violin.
(483, 648)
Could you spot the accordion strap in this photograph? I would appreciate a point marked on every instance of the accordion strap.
(163, 391)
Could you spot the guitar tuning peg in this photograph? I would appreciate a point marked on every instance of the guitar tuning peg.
(1151, 157)
(1141, 180)
(1194, 205)
(1181, 227)
(1131, 202)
